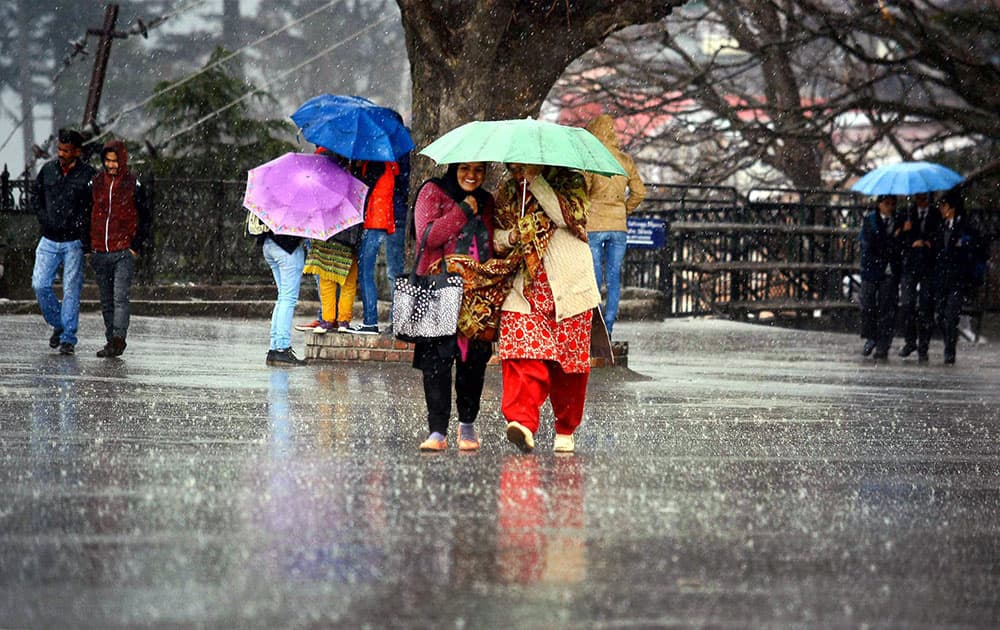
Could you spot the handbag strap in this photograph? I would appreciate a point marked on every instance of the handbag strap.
(423, 243)
(420, 252)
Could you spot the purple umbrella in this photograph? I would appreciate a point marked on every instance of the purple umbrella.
(305, 195)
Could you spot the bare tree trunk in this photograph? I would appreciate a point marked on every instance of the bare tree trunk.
(498, 59)
(797, 156)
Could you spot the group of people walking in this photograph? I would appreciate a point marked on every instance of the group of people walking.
(521, 251)
(84, 214)
(923, 261)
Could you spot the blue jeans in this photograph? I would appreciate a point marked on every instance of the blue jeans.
(113, 271)
(49, 255)
(367, 256)
(287, 271)
(395, 252)
(608, 250)
(395, 255)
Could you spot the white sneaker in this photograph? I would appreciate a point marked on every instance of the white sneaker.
(362, 330)
(564, 443)
(520, 436)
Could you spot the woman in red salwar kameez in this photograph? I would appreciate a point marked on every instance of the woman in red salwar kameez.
(545, 321)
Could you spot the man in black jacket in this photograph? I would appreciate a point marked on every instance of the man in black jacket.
(62, 199)
(880, 263)
(916, 293)
(958, 249)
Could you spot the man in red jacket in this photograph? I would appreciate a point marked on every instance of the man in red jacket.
(119, 228)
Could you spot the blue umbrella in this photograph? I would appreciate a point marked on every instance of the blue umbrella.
(907, 178)
(353, 127)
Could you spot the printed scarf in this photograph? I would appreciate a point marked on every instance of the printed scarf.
(488, 284)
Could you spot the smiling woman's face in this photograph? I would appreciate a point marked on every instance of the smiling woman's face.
(470, 175)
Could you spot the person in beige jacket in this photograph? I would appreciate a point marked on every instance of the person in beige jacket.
(612, 199)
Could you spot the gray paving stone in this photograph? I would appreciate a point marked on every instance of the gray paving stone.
(736, 475)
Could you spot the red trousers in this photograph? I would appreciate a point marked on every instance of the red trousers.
(528, 382)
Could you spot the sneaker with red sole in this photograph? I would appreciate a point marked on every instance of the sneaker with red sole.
(308, 327)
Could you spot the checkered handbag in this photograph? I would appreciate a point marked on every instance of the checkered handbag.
(425, 308)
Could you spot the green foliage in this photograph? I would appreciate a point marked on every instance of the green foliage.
(204, 129)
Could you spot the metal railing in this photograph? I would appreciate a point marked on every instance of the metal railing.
(777, 251)
(15, 194)
(724, 254)
(200, 234)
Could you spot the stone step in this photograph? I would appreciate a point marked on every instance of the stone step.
(243, 309)
(337, 346)
(249, 302)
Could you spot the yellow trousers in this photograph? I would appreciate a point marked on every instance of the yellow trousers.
(337, 300)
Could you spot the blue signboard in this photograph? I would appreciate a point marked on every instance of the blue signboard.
(647, 233)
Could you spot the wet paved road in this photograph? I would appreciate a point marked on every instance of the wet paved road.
(739, 476)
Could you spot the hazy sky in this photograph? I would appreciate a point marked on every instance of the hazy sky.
(12, 153)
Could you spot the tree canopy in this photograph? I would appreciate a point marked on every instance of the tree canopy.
(815, 92)
(204, 128)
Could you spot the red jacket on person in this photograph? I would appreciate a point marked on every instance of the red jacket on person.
(120, 218)
(380, 178)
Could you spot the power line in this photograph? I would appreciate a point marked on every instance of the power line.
(112, 120)
(138, 28)
(177, 11)
(275, 79)
(116, 117)
(11, 135)
(80, 48)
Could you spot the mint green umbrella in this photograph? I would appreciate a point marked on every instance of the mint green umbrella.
(524, 141)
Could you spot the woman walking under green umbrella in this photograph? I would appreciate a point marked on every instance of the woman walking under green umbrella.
(545, 322)
(453, 215)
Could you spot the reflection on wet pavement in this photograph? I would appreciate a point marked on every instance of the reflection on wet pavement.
(741, 475)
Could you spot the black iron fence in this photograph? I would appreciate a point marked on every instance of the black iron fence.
(775, 251)
(198, 230)
(772, 250)
(200, 233)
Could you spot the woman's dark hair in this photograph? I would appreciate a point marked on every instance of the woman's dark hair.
(449, 184)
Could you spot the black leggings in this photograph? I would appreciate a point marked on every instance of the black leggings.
(435, 359)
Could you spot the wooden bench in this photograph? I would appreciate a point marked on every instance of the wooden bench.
(759, 228)
(711, 267)
(779, 306)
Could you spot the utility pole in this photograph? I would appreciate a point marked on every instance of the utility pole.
(107, 33)
(27, 90)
